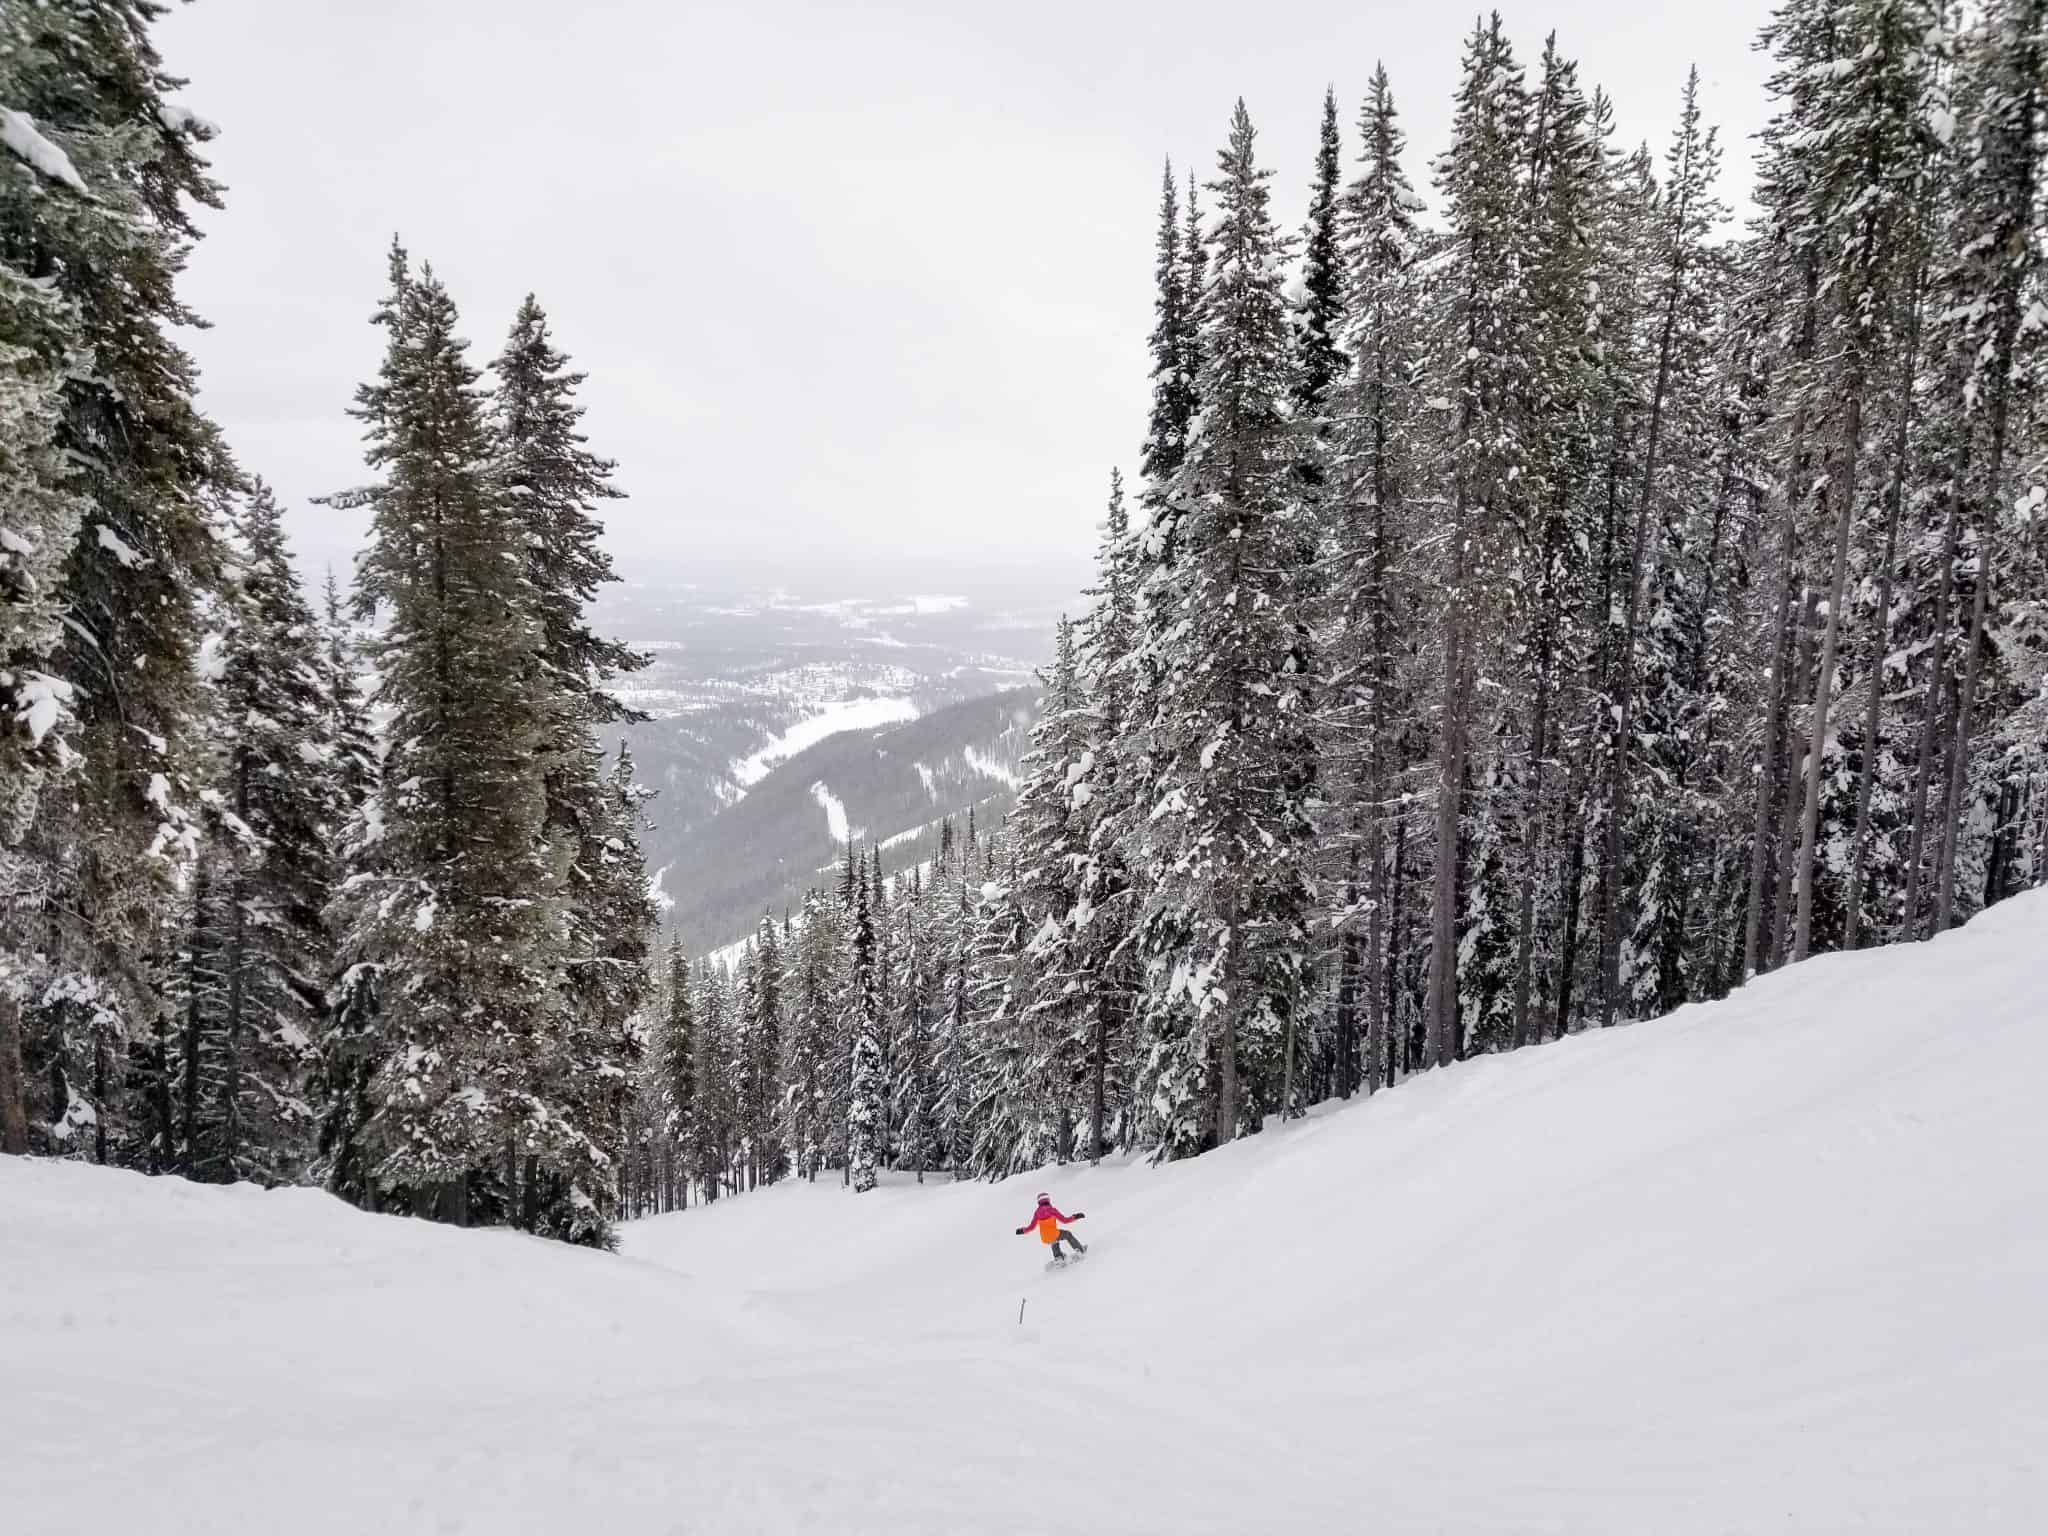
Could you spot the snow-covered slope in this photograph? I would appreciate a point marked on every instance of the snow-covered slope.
(1772, 1265)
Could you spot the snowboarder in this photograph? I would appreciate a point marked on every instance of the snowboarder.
(1047, 1219)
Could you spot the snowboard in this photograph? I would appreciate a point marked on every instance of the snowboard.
(1052, 1266)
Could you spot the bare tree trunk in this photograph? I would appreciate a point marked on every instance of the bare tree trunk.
(1959, 757)
(1776, 721)
(2039, 793)
(161, 1139)
(1287, 1065)
(231, 1086)
(1931, 710)
(1226, 1067)
(1788, 863)
(1443, 958)
(13, 1090)
(1767, 760)
(1347, 980)
(1569, 895)
(1099, 1105)
(1533, 830)
(1881, 647)
(1824, 682)
(1377, 1003)
(190, 1129)
(1397, 920)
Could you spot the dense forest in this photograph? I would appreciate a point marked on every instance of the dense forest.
(243, 935)
(1539, 602)
(1540, 605)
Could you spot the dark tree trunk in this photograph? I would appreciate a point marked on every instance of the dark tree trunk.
(1843, 488)
(1866, 773)
(1931, 709)
(13, 1086)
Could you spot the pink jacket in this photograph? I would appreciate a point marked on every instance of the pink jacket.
(1047, 1219)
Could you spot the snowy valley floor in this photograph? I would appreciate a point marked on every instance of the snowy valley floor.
(1778, 1264)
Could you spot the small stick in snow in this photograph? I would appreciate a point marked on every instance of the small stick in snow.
(1020, 1310)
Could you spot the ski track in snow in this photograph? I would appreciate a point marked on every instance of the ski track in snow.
(835, 814)
(990, 768)
(1771, 1264)
(845, 715)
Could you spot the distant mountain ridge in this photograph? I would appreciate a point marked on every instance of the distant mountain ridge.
(889, 785)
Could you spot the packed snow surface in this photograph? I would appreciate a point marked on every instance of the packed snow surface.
(844, 715)
(1775, 1264)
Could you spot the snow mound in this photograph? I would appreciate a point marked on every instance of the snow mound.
(1771, 1264)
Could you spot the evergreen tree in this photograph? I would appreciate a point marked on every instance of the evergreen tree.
(1368, 693)
(454, 913)
(1319, 309)
(676, 1055)
(863, 1015)
(1231, 763)
(1484, 365)
(120, 482)
(1105, 802)
(269, 942)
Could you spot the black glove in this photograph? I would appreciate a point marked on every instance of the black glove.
(1022, 1230)
(1079, 1214)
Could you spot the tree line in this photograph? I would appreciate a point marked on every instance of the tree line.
(1543, 605)
(254, 923)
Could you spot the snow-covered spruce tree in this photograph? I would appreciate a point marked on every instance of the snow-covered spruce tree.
(98, 179)
(1486, 928)
(1318, 310)
(675, 1061)
(1105, 797)
(811, 1034)
(1172, 385)
(717, 1112)
(956, 1092)
(551, 485)
(1594, 616)
(914, 1062)
(580, 1081)
(453, 913)
(1232, 764)
(271, 872)
(1365, 706)
(1675, 479)
(39, 515)
(886, 963)
(759, 1054)
(338, 1090)
(1039, 1087)
(350, 742)
(39, 518)
(1994, 316)
(1482, 373)
(1013, 1098)
(1783, 266)
(1566, 197)
(1861, 185)
(863, 1025)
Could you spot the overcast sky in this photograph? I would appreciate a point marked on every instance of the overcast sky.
(850, 280)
